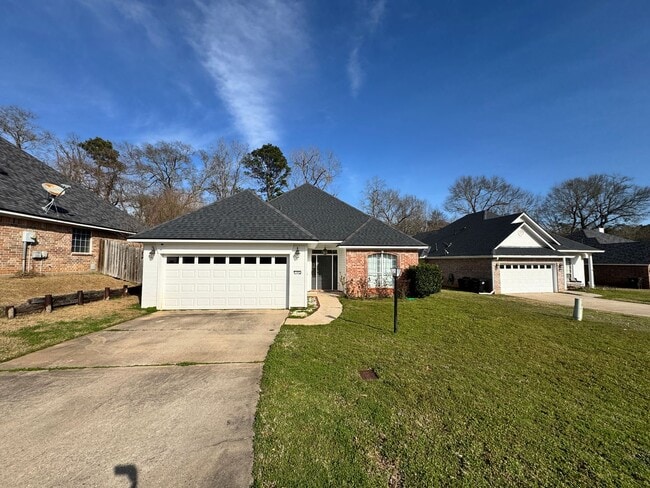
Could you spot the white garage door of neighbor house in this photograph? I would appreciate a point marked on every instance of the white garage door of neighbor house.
(527, 278)
(225, 282)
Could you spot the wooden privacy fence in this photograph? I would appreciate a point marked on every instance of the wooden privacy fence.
(121, 260)
(49, 302)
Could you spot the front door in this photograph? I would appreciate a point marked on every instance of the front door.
(324, 270)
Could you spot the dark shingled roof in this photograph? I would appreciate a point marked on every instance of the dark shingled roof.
(331, 219)
(618, 250)
(21, 176)
(376, 233)
(624, 253)
(594, 237)
(320, 213)
(243, 216)
(304, 214)
(480, 233)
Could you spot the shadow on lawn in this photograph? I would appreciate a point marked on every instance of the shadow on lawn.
(386, 331)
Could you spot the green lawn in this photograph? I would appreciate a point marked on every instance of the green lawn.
(624, 294)
(473, 391)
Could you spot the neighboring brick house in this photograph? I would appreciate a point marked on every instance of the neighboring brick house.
(625, 263)
(242, 252)
(509, 254)
(67, 233)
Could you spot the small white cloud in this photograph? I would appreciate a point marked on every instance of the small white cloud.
(248, 48)
(369, 24)
(355, 74)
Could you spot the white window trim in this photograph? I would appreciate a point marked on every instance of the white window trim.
(386, 262)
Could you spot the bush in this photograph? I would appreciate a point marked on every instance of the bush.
(425, 279)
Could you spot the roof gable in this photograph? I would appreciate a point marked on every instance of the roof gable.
(484, 234)
(376, 233)
(21, 176)
(322, 214)
(243, 216)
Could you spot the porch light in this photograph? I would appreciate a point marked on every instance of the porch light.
(152, 253)
(395, 272)
(297, 253)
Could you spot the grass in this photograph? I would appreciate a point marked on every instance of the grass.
(14, 290)
(473, 391)
(30, 333)
(622, 294)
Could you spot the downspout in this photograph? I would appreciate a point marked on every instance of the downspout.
(24, 257)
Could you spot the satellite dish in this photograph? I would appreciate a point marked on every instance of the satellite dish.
(53, 192)
(52, 189)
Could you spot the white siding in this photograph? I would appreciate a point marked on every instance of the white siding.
(522, 237)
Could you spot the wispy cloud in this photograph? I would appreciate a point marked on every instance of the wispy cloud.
(371, 19)
(132, 10)
(248, 48)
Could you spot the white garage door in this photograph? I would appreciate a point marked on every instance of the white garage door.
(527, 278)
(225, 282)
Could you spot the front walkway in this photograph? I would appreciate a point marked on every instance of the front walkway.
(590, 301)
(329, 309)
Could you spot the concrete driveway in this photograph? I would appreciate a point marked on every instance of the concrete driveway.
(127, 414)
(590, 301)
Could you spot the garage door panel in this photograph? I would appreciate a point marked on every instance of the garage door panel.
(219, 284)
(527, 278)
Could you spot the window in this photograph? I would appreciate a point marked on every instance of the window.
(379, 270)
(172, 260)
(280, 260)
(234, 260)
(204, 259)
(81, 240)
(220, 260)
(265, 260)
(188, 259)
(250, 260)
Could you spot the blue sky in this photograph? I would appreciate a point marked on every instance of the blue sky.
(417, 93)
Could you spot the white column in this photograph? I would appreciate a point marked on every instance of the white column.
(590, 260)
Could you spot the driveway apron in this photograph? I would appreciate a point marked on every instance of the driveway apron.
(164, 400)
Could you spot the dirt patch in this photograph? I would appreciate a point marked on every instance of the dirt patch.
(14, 291)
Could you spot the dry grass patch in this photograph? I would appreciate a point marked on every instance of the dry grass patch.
(32, 332)
(14, 291)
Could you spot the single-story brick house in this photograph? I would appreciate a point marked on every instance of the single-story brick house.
(512, 254)
(61, 238)
(625, 263)
(245, 253)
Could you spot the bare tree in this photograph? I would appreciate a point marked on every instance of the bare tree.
(223, 168)
(311, 166)
(18, 124)
(404, 212)
(94, 164)
(599, 200)
(471, 194)
(165, 184)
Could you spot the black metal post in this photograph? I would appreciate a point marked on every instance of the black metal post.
(395, 305)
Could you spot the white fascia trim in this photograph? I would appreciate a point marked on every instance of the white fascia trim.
(410, 248)
(578, 251)
(524, 256)
(621, 264)
(538, 228)
(216, 241)
(63, 222)
(525, 224)
(458, 257)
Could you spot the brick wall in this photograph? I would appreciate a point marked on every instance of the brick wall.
(619, 275)
(356, 268)
(482, 269)
(452, 269)
(56, 239)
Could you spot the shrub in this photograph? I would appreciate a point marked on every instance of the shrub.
(425, 279)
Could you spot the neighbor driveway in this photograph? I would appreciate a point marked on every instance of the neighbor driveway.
(589, 302)
(167, 399)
